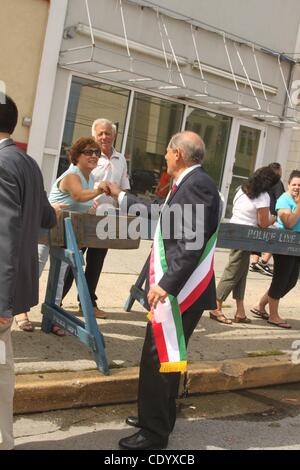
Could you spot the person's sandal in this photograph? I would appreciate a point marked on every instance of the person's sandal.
(56, 330)
(25, 325)
(220, 318)
(241, 320)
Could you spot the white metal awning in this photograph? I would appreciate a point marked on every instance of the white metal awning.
(87, 49)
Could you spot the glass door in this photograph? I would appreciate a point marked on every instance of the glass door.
(215, 130)
(247, 152)
(90, 100)
(153, 122)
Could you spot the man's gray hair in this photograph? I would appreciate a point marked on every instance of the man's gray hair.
(193, 149)
(103, 122)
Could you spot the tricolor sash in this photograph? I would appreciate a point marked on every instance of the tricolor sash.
(166, 317)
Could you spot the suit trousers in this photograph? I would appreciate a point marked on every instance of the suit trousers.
(158, 391)
(7, 385)
(94, 263)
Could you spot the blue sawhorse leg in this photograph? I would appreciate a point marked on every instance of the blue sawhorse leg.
(137, 292)
(88, 332)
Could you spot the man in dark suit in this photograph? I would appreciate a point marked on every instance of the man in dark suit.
(24, 209)
(158, 390)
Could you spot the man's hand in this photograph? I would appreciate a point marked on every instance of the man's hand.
(114, 189)
(93, 209)
(297, 199)
(156, 294)
(104, 187)
(59, 207)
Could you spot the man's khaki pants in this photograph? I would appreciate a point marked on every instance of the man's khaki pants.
(7, 385)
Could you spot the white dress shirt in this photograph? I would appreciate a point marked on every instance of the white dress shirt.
(111, 169)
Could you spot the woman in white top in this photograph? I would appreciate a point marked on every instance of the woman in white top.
(250, 207)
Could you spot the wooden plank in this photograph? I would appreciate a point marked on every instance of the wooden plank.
(57, 233)
(233, 236)
(247, 238)
(85, 228)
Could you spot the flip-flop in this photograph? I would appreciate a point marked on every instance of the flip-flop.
(258, 313)
(282, 324)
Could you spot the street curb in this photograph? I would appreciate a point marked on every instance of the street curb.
(53, 391)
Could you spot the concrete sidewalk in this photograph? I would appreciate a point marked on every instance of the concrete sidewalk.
(212, 342)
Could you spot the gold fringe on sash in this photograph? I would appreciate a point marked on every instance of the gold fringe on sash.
(173, 366)
(166, 367)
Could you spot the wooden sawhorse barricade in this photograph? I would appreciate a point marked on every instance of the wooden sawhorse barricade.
(72, 232)
(233, 236)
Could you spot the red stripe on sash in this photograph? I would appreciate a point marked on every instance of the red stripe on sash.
(160, 342)
(195, 294)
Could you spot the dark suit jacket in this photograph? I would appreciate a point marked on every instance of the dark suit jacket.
(24, 208)
(195, 188)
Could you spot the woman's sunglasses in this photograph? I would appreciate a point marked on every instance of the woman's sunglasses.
(90, 152)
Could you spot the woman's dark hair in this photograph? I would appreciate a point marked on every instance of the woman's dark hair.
(8, 114)
(275, 166)
(294, 174)
(260, 182)
(80, 145)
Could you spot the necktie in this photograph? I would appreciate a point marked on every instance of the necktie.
(173, 188)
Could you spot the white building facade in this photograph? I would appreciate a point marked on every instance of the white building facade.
(226, 69)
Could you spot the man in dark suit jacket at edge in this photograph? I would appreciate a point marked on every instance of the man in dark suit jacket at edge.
(24, 208)
(173, 289)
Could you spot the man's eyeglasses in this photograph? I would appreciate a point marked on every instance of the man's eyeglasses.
(90, 152)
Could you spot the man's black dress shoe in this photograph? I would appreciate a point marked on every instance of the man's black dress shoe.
(133, 421)
(142, 440)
